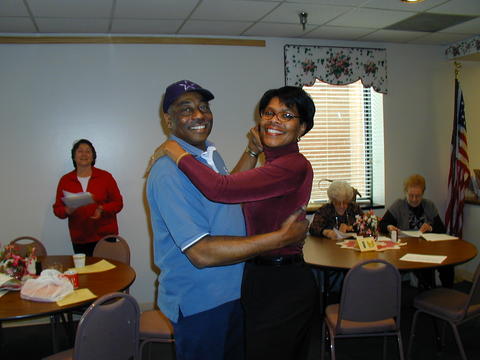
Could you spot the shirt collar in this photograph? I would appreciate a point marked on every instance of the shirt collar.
(190, 148)
(198, 153)
(276, 152)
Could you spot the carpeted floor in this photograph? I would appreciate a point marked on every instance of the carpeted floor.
(34, 342)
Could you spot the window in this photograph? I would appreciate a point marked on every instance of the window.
(346, 142)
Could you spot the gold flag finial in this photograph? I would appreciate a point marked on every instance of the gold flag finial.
(458, 66)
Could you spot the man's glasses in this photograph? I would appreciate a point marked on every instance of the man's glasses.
(282, 115)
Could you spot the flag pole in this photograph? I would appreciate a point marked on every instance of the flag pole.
(457, 66)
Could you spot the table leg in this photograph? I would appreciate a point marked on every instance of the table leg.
(53, 327)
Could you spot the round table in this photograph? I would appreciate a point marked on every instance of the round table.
(12, 307)
(325, 253)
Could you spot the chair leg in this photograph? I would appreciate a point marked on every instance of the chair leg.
(140, 351)
(332, 348)
(438, 335)
(384, 348)
(459, 341)
(400, 345)
(442, 335)
(412, 334)
(323, 341)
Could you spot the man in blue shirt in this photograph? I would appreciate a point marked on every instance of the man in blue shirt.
(200, 245)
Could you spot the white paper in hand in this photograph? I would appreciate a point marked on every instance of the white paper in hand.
(75, 200)
(344, 235)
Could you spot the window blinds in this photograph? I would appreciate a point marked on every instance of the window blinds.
(339, 146)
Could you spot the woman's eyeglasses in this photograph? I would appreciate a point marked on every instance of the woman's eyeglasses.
(281, 115)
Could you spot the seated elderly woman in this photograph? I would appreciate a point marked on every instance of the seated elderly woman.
(339, 213)
(414, 212)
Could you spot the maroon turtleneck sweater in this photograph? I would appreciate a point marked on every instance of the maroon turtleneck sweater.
(269, 193)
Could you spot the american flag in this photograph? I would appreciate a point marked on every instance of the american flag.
(459, 175)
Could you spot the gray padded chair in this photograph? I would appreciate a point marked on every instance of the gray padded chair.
(452, 306)
(108, 330)
(23, 244)
(113, 247)
(155, 327)
(369, 306)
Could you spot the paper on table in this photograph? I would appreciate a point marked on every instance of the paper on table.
(76, 296)
(435, 259)
(75, 200)
(410, 233)
(438, 237)
(102, 265)
(4, 278)
(3, 292)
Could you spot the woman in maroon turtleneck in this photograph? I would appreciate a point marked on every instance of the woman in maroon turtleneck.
(279, 292)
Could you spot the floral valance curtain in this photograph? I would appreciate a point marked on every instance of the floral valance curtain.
(336, 66)
(464, 48)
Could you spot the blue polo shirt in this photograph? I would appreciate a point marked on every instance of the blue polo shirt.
(181, 216)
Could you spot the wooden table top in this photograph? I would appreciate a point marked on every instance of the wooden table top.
(12, 307)
(325, 253)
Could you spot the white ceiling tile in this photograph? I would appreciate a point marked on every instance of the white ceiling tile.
(439, 39)
(317, 14)
(154, 9)
(71, 9)
(277, 30)
(232, 10)
(13, 8)
(331, 2)
(370, 18)
(398, 5)
(203, 27)
(338, 32)
(468, 27)
(458, 7)
(333, 19)
(64, 25)
(145, 26)
(393, 36)
(17, 25)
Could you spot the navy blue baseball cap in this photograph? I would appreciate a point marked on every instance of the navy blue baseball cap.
(175, 90)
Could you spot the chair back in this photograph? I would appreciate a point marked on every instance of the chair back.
(24, 244)
(371, 292)
(113, 247)
(108, 330)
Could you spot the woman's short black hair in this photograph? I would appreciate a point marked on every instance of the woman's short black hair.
(75, 147)
(292, 96)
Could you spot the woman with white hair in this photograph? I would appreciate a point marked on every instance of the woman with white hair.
(339, 213)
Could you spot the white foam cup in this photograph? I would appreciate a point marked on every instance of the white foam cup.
(79, 260)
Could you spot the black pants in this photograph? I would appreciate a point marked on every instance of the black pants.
(280, 303)
(426, 278)
(86, 249)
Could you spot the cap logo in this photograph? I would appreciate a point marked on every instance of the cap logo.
(188, 86)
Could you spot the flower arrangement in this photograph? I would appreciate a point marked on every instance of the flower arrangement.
(15, 265)
(367, 225)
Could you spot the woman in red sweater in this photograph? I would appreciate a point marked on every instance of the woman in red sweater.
(88, 223)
